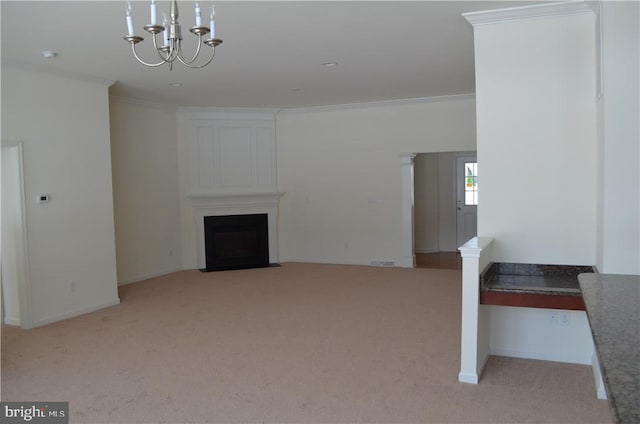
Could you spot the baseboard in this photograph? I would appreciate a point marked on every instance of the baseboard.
(12, 321)
(601, 391)
(466, 377)
(406, 262)
(40, 323)
(148, 276)
(542, 356)
(324, 261)
(483, 364)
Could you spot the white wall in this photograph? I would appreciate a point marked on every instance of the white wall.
(619, 135)
(531, 333)
(145, 188)
(340, 171)
(64, 126)
(536, 113)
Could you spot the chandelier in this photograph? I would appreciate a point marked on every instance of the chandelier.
(171, 48)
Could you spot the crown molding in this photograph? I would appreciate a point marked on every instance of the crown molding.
(535, 11)
(381, 103)
(144, 103)
(228, 110)
(76, 76)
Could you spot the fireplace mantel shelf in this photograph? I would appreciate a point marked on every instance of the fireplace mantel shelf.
(236, 198)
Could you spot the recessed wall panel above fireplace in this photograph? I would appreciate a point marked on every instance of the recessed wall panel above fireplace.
(233, 156)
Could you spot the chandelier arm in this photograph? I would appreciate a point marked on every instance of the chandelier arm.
(195, 56)
(213, 53)
(161, 54)
(133, 49)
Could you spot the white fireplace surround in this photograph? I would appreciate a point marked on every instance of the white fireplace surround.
(236, 204)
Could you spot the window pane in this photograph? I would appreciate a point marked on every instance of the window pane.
(470, 183)
(469, 198)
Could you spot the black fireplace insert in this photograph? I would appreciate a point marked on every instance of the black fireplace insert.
(236, 242)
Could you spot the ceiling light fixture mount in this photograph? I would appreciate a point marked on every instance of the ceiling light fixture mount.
(171, 48)
(49, 54)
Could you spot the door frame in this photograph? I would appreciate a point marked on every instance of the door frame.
(24, 283)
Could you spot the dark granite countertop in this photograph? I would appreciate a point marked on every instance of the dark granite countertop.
(532, 278)
(613, 308)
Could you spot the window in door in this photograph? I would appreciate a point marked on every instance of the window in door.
(471, 183)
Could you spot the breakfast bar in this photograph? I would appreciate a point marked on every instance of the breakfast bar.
(613, 308)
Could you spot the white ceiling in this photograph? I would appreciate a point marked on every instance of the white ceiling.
(272, 53)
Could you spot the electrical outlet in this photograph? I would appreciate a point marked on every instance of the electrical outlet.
(564, 319)
(170, 252)
(72, 286)
(553, 317)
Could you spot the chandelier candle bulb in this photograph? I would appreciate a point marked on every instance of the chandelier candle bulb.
(212, 23)
(198, 15)
(129, 20)
(154, 13)
(165, 33)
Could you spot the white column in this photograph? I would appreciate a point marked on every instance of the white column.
(408, 259)
(474, 350)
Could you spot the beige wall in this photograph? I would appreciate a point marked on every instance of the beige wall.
(145, 186)
(64, 126)
(427, 192)
(339, 169)
(535, 90)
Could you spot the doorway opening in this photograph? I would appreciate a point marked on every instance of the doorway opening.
(16, 294)
(442, 219)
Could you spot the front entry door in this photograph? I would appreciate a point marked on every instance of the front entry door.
(467, 199)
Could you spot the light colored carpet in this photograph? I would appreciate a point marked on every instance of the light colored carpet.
(302, 343)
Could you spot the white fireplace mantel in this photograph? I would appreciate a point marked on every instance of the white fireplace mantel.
(211, 204)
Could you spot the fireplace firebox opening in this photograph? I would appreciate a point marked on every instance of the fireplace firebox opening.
(236, 242)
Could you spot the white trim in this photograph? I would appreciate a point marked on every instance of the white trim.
(597, 8)
(245, 199)
(379, 103)
(72, 75)
(73, 314)
(543, 356)
(601, 391)
(474, 247)
(408, 258)
(166, 107)
(326, 261)
(228, 112)
(235, 204)
(24, 290)
(12, 321)
(534, 11)
(467, 377)
(148, 276)
(474, 378)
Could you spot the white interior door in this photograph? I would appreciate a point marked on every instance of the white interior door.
(467, 198)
